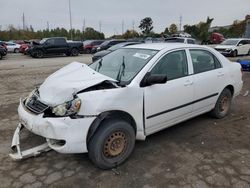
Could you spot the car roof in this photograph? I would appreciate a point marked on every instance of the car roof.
(161, 46)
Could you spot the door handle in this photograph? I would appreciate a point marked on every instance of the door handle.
(188, 83)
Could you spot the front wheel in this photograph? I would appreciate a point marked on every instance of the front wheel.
(112, 144)
(234, 53)
(39, 54)
(223, 104)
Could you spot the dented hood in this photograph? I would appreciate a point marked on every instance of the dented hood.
(67, 81)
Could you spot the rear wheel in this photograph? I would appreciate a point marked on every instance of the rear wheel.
(74, 52)
(16, 50)
(1, 56)
(112, 144)
(88, 51)
(223, 104)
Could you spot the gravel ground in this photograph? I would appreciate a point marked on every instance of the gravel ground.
(202, 152)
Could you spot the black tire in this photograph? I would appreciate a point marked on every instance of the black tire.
(112, 144)
(223, 104)
(74, 52)
(39, 54)
(88, 51)
(248, 52)
(1, 56)
(234, 53)
(16, 50)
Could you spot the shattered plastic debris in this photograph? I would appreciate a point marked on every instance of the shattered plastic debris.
(246, 93)
(115, 171)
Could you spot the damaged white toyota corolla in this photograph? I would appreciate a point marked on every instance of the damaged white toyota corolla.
(127, 95)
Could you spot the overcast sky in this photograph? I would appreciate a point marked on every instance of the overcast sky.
(111, 13)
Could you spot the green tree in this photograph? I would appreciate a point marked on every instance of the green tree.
(146, 25)
(173, 28)
(130, 34)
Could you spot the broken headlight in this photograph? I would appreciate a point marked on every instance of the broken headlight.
(68, 108)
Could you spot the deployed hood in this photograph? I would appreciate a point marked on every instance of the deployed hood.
(224, 47)
(69, 80)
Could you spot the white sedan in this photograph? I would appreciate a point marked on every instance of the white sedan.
(127, 95)
(234, 47)
(12, 47)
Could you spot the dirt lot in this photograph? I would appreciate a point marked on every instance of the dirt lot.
(202, 152)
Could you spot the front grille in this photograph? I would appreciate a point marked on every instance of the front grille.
(34, 105)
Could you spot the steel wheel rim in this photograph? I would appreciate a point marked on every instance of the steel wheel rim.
(115, 144)
(224, 104)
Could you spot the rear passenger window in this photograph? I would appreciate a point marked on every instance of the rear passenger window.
(174, 65)
(204, 61)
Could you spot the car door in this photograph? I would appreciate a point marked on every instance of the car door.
(208, 77)
(166, 104)
(49, 46)
(61, 46)
(242, 47)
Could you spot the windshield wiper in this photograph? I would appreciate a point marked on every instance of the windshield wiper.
(121, 70)
(98, 66)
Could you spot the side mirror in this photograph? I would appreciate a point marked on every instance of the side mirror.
(240, 44)
(151, 79)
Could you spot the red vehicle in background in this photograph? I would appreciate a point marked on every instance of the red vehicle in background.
(3, 44)
(216, 38)
(88, 45)
(26, 45)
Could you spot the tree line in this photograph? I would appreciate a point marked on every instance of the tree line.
(200, 31)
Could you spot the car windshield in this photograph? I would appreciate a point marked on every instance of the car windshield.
(43, 40)
(123, 64)
(230, 42)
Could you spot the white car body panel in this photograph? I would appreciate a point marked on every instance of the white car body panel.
(12, 46)
(241, 49)
(139, 102)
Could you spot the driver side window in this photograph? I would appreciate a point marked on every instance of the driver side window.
(173, 64)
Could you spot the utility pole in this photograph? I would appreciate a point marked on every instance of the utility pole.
(70, 20)
(23, 18)
(133, 25)
(100, 26)
(48, 25)
(83, 26)
(122, 27)
(180, 22)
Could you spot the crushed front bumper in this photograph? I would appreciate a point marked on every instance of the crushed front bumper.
(72, 133)
(27, 153)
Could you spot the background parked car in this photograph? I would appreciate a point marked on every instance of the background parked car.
(87, 47)
(108, 43)
(3, 44)
(102, 53)
(234, 47)
(180, 40)
(55, 46)
(245, 64)
(3, 52)
(12, 47)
